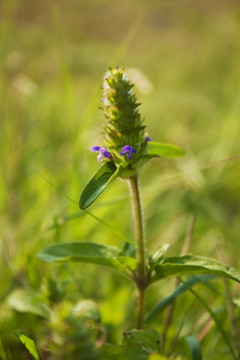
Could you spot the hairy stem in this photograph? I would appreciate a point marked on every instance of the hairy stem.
(140, 278)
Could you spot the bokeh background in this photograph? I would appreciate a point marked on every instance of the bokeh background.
(183, 57)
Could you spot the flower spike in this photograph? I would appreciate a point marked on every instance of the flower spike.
(123, 125)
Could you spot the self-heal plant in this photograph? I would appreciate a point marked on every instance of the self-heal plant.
(125, 149)
(130, 147)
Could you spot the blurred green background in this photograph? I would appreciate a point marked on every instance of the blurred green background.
(183, 57)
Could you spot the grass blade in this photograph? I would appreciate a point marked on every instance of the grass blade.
(193, 346)
(213, 316)
(191, 281)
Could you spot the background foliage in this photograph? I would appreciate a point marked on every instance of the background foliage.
(183, 57)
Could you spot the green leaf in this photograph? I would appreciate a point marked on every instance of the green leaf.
(90, 253)
(129, 250)
(193, 348)
(193, 280)
(104, 176)
(142, 343)
(236, 301)
(142, 160)
(165, 149)
(28, 343)
(112, 351)
(27, 301)
(194, 265)
(158, 256)
(136, 344)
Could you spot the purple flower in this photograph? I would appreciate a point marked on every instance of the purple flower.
(102, 152)
(128, 150)
(95, 148)
(147, 138)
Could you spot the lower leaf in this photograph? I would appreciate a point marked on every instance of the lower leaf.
(90, 253)
(194, 265)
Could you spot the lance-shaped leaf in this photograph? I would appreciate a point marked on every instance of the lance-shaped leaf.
(104, 176)
(165, 150)
(90, 253)
(194, 265)
(28, 343)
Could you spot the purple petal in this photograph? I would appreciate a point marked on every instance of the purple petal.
(102, 152)
(147, 138)
(95, 148)
(106, 154)
(100, 157)
(128, 150)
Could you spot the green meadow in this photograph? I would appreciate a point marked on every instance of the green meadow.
(183, 57)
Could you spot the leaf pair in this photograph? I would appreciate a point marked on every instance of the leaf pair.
(113, 257)
(109, 171)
